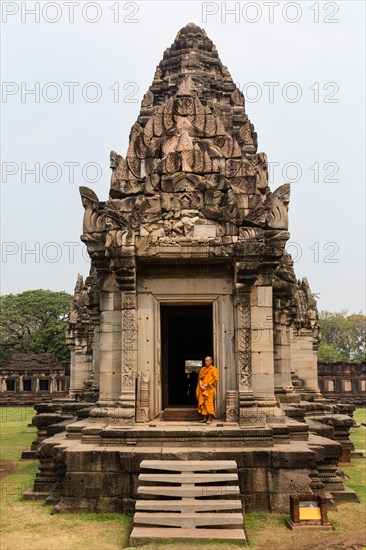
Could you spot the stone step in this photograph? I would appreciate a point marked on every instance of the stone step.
(193, 491)
(34, 495)
(189, 520)
(140, 535)
(346, 495)
(355, 454)
(188, 504)
(181, 413)
(188, 477)
(29, 454)
(189, 465)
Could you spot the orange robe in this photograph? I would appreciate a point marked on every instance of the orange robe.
(210, 376)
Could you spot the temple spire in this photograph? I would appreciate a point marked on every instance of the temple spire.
(190, 64)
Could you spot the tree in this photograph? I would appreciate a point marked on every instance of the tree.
(342, 337)
(34, 321)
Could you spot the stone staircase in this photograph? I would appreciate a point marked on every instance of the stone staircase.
(200, 502)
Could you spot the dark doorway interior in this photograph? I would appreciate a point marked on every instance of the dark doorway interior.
(27, 385)
(186, 334)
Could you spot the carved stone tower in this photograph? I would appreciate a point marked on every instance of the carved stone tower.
(191, 222)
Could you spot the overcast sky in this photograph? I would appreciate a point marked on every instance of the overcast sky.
(299, 64)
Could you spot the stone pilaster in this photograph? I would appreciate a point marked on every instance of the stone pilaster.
(231, 405)
(304, 362)
(284, 389)
(262, 353)
(110, 349)
(82, 364)
(71, 345)
(143, 397)
(96, 357)
(243, 352)
(127, 397)
(262, 343)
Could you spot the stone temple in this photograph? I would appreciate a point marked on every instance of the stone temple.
(188, 259)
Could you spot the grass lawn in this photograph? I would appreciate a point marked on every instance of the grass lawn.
(358, 435)
(360, 415)
(15, 435)
(29, 525)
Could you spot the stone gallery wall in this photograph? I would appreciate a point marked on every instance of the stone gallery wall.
(29, 378)
(345, 382)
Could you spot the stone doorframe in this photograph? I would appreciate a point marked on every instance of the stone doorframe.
(150, 348)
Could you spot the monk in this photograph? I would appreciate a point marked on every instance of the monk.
(206, 389)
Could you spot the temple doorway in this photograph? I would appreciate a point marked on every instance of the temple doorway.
(187, 338)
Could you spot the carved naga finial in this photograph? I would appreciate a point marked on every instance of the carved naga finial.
(79, 284)
(278, 201)
(92, 221)
(115, 159)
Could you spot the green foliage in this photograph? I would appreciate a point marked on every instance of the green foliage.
(343, 337)
(329, 353)
(34, 321)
